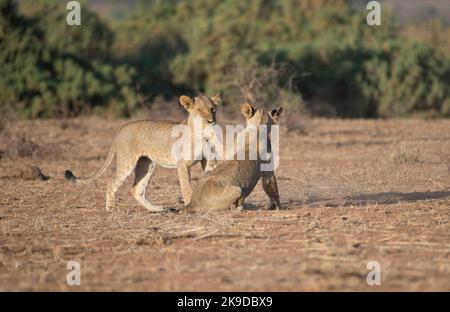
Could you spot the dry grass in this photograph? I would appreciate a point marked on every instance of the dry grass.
(16, 145)
(347, 202)
(444, 157)
(406, 156)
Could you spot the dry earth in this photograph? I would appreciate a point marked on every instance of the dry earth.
(354, 191)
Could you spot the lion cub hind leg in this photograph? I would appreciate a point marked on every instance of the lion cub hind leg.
(231, 197)
(144, 171)
(123, 171)
(216, 198)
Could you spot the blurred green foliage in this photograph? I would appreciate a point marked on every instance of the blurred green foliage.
(49, 69)
(338, 64)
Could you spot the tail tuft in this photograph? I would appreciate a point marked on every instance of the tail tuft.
(70, 176)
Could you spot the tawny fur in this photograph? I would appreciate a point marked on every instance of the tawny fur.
(227, 186)
(141, 145)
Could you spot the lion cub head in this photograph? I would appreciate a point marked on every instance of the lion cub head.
(256, 117)
(202, 107)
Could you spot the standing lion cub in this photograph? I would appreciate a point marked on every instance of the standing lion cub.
(140, 145)
(227, 185)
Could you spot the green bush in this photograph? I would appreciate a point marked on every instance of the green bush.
(148, 41)
(50, 69)
(347, 67)
(338, 64)
(409, 78)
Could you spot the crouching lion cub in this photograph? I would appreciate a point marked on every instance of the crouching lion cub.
(227, 186)
(140, 145)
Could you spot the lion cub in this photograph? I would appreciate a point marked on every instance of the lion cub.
(140, 145)
(227, 186)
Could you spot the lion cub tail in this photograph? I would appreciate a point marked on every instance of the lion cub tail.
(87, 180)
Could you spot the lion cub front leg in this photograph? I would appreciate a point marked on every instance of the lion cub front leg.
(184, 176)
(270, 186)
(208, 165)
(239, 204)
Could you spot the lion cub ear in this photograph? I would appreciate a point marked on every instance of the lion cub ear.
(186, 102)
(247, 110)
(276, 113)
(217, 99)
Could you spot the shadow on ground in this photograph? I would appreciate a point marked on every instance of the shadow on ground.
(388, 198)
(384, 198)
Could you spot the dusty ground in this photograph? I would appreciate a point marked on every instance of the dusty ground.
(355, 191)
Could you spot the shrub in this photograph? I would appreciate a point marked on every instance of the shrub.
(408, 78)
(341, 66)
(49, 70)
